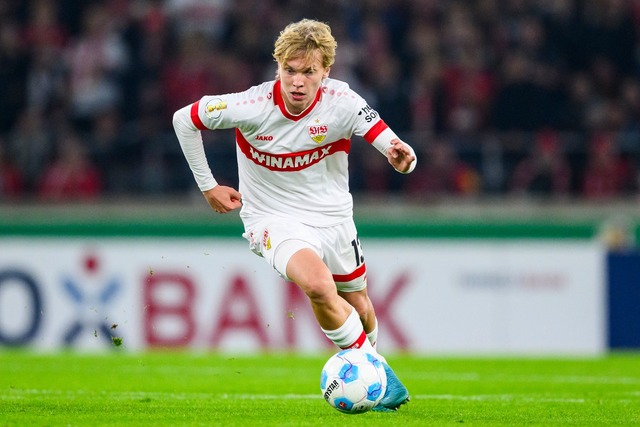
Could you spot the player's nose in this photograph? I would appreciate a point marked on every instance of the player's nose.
(297, 82)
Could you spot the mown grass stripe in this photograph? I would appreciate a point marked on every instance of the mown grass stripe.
(253, 396)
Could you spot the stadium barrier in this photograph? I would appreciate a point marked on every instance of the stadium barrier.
(440, 288)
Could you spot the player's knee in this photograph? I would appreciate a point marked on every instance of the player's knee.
(321, 291)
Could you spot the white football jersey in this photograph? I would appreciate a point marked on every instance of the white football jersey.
(294, 166)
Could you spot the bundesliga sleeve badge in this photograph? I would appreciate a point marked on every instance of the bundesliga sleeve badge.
(213, 108)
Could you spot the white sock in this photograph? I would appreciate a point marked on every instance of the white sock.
(373, 336)
(351, 334)
(373, 339)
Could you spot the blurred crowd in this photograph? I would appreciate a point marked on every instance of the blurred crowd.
(522, 97)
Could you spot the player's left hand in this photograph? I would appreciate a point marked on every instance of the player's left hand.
(400, 156)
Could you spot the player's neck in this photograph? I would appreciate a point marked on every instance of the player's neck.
(286, 106)
(290, 109)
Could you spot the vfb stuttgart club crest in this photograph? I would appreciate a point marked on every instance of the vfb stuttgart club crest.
(318, 132)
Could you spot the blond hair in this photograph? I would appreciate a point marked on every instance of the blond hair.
(303, 38)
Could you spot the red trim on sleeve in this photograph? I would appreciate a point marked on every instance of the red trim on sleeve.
(376, 130)
(195, 118)
(349, 277)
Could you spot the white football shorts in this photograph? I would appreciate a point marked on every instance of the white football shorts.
(276, 240)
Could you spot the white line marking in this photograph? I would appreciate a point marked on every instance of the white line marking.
(511, 378)
(497, 397)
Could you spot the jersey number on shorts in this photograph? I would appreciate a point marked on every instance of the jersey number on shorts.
(357, 249)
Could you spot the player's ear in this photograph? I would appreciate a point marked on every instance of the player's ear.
(326, 73)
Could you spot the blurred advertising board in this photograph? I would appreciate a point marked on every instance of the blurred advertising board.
(431, 296)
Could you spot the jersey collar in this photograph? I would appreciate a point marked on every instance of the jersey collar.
(279, 101)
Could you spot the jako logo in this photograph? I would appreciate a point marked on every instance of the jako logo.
(264, 138)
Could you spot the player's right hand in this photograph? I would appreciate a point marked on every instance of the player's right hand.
(223, 199)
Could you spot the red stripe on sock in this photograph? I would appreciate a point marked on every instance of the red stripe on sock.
(358, 343)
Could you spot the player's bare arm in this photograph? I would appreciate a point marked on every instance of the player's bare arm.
(223, 199)
(400, 156)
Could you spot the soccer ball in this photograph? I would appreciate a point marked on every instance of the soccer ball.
(353, 381)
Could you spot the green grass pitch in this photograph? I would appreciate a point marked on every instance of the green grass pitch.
(205, 389)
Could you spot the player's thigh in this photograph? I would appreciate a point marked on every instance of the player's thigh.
(307, 270)
(277, 240)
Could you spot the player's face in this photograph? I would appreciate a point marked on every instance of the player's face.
(301, 79)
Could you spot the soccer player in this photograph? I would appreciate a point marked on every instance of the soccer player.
(292, 142)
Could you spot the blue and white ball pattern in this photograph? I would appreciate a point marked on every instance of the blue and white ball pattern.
(353, 381)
